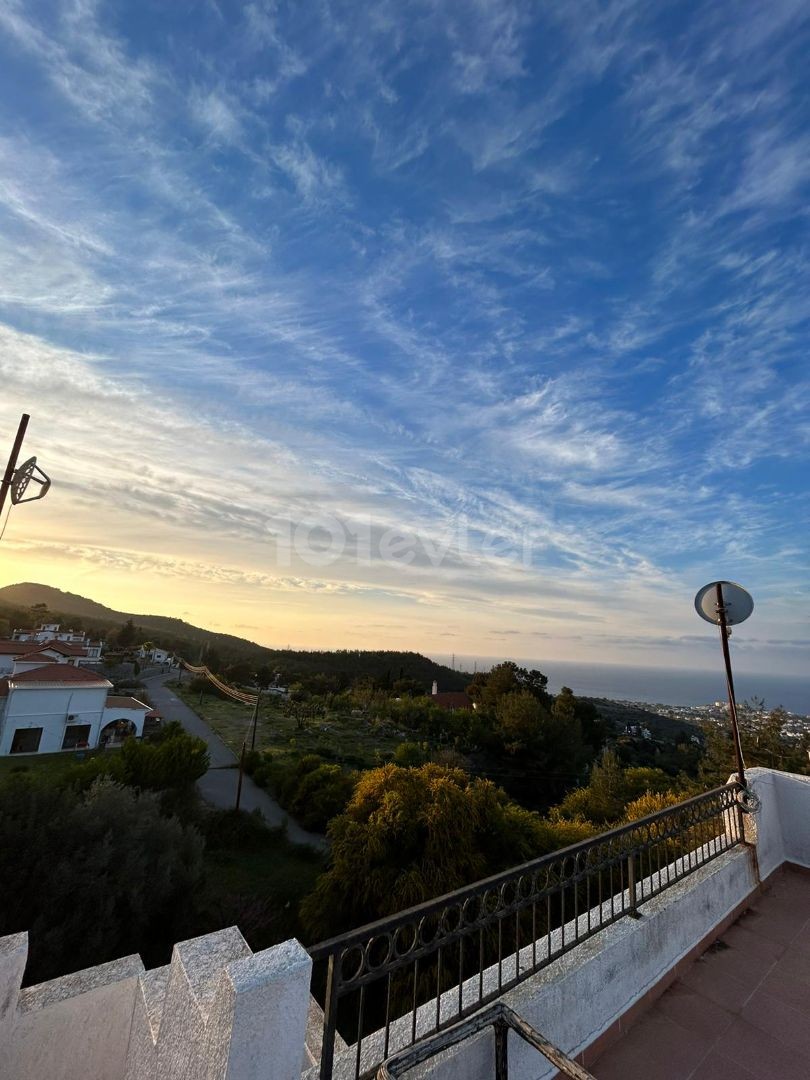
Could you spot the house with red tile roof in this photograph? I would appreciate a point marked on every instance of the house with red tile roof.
(49, 707)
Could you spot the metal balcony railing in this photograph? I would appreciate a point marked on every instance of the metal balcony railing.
(398, 981)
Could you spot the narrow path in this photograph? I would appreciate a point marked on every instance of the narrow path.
(218, 786)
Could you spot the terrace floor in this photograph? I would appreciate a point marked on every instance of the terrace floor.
(741, 1010)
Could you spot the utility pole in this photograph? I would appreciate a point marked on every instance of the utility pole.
(255, 720)
(241, 774)
(11, 466)
(732, 701)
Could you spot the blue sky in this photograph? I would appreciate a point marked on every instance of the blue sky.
(526, 285)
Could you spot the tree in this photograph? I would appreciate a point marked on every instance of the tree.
(487, 688)
(611, 788)
(92, 877)
(411, 834)
(127, 635)
(520, 717)
(763, 744)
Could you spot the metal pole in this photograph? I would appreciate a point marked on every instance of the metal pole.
(241, 773)
(8, 476)
(501, 1050)
(255, 719)
(732, 703)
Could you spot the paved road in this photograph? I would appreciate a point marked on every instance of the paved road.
(218, 786)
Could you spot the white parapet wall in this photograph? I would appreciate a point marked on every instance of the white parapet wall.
(216, 1012)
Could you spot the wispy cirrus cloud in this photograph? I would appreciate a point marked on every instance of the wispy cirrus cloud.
(524, 285)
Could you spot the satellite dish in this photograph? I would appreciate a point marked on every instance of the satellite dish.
(737, 602)
(29, 471)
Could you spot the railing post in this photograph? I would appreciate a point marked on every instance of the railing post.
(501, 1050)
(329, 1019)
(632, 911)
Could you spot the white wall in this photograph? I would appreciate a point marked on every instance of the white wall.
(30, 707)
(217, 1012)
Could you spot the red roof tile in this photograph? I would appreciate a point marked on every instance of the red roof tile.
(64, 647)
(31, 658)
(58, 674)
(13, 648)
(452, 699)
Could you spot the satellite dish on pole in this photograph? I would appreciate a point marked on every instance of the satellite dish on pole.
(723, 603)
(737, 603)
(29, 471)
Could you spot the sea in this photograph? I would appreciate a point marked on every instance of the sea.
(659, 686)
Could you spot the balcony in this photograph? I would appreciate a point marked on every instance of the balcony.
(677, 947)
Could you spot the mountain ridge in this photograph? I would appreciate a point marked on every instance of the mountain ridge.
(195, 642)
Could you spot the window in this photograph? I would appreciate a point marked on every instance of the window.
(76, 735)
(26, 740)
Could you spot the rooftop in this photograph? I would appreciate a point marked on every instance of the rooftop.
(741, 1010)
(57, 675)
(115, 701)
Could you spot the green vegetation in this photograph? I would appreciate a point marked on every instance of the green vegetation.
(411, 834)
(416, 800)
(51, 767)
(763, 744)
(92, 875)
(254, 879)
(117, 854)
(169, 761)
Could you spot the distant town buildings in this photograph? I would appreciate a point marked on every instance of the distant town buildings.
(74, 642)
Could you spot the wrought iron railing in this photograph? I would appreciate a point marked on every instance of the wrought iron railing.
(394, 982)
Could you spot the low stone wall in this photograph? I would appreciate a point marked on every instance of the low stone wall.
(216, 1012)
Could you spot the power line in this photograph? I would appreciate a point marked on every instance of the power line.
(229, 691)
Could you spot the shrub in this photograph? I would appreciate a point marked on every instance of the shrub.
(321, 794)
(173, 761)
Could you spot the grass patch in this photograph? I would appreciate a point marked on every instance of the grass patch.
(348, 740)
(256, 878)
(49, 767)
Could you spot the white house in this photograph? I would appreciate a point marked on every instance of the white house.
(76, 642)
(154, 655)
(60, 706)
(12, 653)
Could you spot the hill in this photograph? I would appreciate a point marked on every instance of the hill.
(218, 650)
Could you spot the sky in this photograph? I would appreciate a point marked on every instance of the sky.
(471, 326)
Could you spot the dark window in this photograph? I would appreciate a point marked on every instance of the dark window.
(76, 735)
(26, 740)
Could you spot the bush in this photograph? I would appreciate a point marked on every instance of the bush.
(230, 830)
(172, 761)
(253, 759)
(408, 835)
(410, 754)
(321, 794)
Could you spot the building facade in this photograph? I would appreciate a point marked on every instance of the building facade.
(49, 707)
